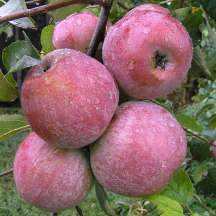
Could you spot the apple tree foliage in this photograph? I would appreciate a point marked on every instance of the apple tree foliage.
(192, 190)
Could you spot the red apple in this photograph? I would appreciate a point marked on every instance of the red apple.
(75, 31)
(148, 51)
(69, 99)
(140, 151)
(49, 178)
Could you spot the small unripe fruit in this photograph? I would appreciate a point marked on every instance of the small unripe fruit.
(140, 151)
(148, 52)
(72, 102)
(75, 31)
(51, 179)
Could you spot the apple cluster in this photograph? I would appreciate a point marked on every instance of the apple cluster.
(72, 103)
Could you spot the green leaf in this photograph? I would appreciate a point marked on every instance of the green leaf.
(192, 23)
(103, 199)
(182, 13)
(46, 39)
(200, 171)
(24, 62)
(200, 150)
(166, 205)
(15, 6)
(210, 7)
(202, 109)
(180, 188)
(62, 13)
(188, 122)
(12, 124)
(7, 91)
(16, 53)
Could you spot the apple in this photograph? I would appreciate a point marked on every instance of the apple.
(75, 31)
(51, 179)
(69, 99)
(140, 151)
(148, 52)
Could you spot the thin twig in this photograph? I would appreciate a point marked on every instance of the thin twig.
(99, 32)
(181, 3)
(202, 205)
(49, 7)
(6, 172)
(79, 210)
(198, 136)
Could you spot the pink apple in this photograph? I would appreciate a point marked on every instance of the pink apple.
(75, 31)
(140, 151)
(69, 99)
(148, 52)
(51, 179)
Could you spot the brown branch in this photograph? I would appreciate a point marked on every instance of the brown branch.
(6, 172)
(181, 3)
(99, 32)
(79, 210)
(202, 205)
(198, 136)
(49, 7)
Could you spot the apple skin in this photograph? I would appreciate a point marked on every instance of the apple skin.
(140, 151)
(132, 44)
(71, 104)
(149, 7)
(75, 31)
(51, 179)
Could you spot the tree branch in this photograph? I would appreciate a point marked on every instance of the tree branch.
(202, 205)
(99, 32)
(181, 3)
(79, 210)
(6, 172)
(51, 6)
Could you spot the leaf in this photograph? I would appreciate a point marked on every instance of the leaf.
(24, 62)
(180, 188)
(12, 124)
(166, 205)
(182, 13)
(13, 54)
(15, 6)
(192, 23)
(200, 171)
(7, 91)
(103, 199)
(188, 122)
(202, 109)
(199, 60)
(210, 7)
(200, 150)
(62, 13)
(46, 39)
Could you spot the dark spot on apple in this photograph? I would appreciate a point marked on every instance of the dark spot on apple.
(160, 60)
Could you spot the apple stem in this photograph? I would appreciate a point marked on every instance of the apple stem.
(99, 32)
(6, 172)
(49, 7)
(79, 210)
